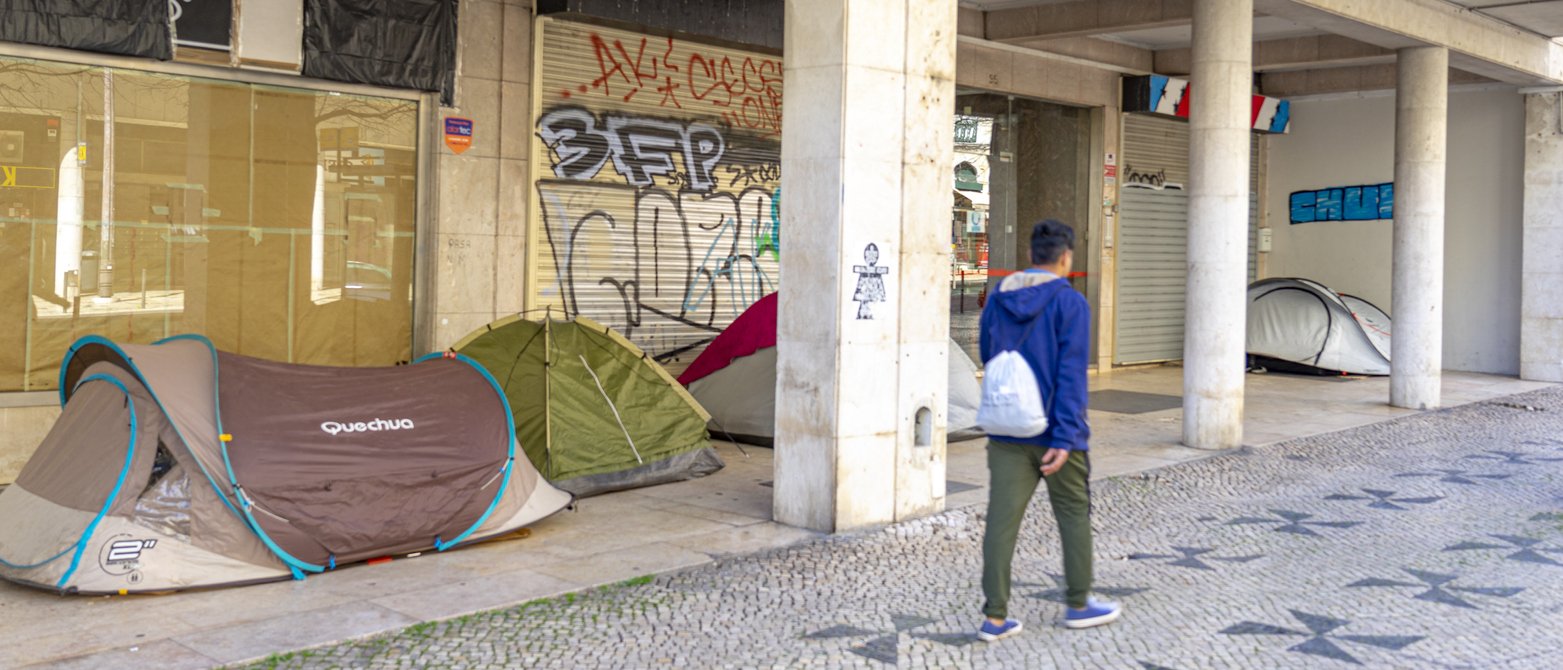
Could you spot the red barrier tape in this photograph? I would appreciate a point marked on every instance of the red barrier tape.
(1005, 273)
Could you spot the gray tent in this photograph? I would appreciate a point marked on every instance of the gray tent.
(742, 397)
(1299, 325)
(157, 477)
(734, 379)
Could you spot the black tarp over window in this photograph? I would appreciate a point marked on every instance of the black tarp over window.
(396, 43)
(127, 27)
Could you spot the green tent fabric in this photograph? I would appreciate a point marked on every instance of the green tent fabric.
(593, 412)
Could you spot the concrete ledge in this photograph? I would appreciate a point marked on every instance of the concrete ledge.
(1478, 44)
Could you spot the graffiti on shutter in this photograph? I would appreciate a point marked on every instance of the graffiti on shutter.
(657, 178)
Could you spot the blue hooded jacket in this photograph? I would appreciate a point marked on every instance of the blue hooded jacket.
(1058, 349)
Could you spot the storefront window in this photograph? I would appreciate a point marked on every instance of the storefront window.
(279, 222)
(969, 222)
(1017, 161)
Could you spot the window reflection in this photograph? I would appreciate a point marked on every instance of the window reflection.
(279, 222)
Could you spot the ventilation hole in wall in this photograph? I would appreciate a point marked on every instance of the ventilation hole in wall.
(922, 428)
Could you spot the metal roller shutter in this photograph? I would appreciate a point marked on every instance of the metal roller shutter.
(656, 180)
(1153, 238)
(1253, 207)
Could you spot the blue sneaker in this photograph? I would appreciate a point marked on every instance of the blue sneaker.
(1096, 613)
(990, 632)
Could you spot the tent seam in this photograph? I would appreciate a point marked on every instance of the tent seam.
(130, 454)
(510, 457)
(295, 564)
(136, 370)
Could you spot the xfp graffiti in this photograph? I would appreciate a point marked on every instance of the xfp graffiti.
(642, 149)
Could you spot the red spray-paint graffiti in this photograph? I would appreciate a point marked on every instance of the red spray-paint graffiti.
(745, 92)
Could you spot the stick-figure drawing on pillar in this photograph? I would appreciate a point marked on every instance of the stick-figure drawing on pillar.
(870, 282)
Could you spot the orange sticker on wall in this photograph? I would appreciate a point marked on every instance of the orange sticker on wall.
(458, 133)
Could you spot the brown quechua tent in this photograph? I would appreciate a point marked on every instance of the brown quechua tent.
(176, 466)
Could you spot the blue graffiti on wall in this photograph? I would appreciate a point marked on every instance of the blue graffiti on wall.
(1348, 203)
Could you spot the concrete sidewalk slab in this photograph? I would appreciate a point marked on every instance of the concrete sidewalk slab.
(646, 559)
(480, 592)
(749, 539)
(256, 639)
(165, 654)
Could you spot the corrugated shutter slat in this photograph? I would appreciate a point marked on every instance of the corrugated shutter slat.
(1153, 239)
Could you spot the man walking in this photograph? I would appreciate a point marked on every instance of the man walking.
(1039, 315)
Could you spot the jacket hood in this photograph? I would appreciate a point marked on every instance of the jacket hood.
(1025, 302)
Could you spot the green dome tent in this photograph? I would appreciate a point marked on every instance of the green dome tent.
(592, 411)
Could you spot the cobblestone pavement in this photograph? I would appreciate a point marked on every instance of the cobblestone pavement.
(1434, 541)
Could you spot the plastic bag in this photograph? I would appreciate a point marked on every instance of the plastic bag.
(1011, 399)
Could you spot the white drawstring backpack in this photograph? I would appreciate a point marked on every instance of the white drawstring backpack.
(1011, 398)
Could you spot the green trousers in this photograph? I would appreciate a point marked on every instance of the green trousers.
(1014, 471)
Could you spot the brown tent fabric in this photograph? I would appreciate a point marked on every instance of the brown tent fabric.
(356, 463)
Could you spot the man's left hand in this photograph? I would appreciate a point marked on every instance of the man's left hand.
(1054, 460)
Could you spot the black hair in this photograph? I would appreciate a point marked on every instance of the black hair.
(1049, 240)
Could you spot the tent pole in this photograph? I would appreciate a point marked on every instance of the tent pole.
(740, 446)
(548, 386)
(616, 416)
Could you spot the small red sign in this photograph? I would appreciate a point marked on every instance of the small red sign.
(458, 133)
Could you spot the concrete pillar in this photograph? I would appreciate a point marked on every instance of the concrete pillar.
(1219, 127)
(863, 324)
(1417, 286)
(1541, 304)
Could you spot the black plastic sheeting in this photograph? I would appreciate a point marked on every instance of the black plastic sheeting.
(126, 27)
(750, 22)
(400, 43)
